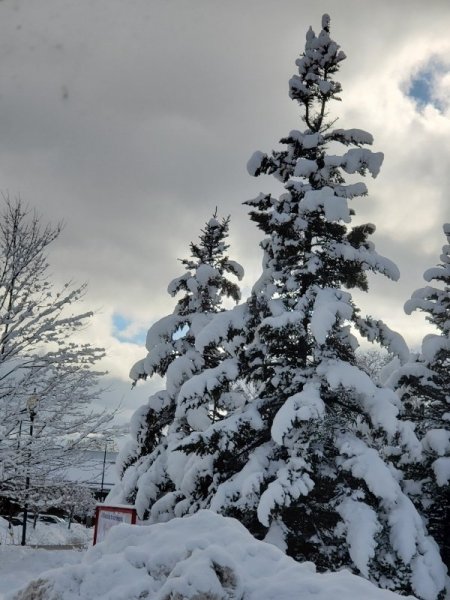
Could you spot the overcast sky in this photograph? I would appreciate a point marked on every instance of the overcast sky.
(131, 120)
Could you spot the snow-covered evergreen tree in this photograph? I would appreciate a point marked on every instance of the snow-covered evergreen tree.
(424, 387)
(170, 343)
(303, 464)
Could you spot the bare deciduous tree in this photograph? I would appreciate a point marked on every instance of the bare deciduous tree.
(47, 381)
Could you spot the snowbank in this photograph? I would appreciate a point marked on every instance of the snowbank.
(201, 557)
(20, 564)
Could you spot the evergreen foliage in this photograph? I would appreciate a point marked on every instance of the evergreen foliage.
(303, 464)
(424, 387)
(267, 415)
(169, 414)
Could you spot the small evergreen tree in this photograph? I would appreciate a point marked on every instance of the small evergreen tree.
(424, 387)
(304, 463)
(167, 417)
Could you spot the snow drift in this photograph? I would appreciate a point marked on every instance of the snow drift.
(201, 557)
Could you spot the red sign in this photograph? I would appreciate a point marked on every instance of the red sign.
(109, 516)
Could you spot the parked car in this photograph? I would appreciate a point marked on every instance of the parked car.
(42, 518)
(30, 517)
(51, 519)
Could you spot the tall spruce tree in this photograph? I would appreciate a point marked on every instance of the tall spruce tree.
(304, 463)
(424, 387)
(171, 354)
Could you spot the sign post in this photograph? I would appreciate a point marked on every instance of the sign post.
(109, 516)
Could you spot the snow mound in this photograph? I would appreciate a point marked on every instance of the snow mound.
(201, 557)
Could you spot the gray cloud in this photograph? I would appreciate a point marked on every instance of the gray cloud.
(133, 120)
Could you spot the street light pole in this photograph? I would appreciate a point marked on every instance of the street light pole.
(103, 470)
(31, 406)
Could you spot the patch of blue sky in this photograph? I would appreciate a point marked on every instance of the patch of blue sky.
(181, 332)
(423, 85)
(125, 330)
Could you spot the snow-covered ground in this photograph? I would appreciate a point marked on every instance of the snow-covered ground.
(202, 557)
(45, 534)
(19, 565)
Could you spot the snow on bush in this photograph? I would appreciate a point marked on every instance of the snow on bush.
(202, 557)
